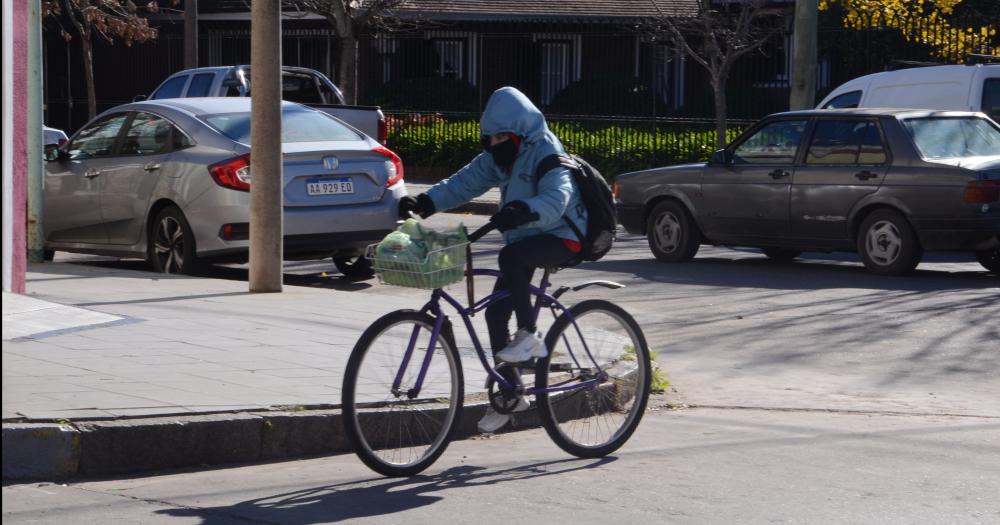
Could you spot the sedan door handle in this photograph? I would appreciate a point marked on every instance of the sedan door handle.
(152, 166)
(777, 174)
(91, 173)
(865, 175)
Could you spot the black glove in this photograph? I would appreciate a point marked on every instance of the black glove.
(512, 215)
(422, 205)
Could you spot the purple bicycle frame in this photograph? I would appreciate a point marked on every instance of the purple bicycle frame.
(434, 307)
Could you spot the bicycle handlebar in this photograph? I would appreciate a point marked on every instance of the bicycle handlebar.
(490, 226)
(482, 231)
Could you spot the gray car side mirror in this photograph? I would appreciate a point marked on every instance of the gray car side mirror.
(138, 98)
(53, 153)
(720, 157)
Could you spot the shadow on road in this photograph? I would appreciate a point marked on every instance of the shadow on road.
(378, 497)
(749, 268)
(309, 274)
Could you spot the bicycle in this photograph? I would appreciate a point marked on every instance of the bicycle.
(404, 388)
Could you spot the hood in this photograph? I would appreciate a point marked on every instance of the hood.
(509, 110)
(683, 168)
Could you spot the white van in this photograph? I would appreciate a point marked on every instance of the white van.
(954, 88)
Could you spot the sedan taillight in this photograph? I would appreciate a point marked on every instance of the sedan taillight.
(394, 165)
(233, 173)
(383, 129)
(982, 191)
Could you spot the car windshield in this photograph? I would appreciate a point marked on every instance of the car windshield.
(947, 137)
(297, 125)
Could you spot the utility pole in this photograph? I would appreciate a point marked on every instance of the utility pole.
(803, 92)
(265, 148)
(190, 34)
(35, 146)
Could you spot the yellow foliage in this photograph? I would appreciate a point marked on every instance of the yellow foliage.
(919, 21)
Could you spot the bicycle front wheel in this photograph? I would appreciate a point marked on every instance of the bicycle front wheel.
(606, 348)
(400, 431)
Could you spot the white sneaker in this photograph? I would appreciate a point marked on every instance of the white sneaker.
(494, 420)
(523, 347)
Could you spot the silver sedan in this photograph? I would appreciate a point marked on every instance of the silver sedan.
(169, 181)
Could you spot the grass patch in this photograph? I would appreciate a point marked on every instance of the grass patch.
(659, 383)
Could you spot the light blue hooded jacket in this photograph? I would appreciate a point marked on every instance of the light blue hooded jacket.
(509, 110)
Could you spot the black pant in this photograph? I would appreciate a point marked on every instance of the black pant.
(517, 265)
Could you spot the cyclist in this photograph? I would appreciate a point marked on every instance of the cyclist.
(515, 138)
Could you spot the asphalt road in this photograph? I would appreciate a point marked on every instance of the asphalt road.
(810, 392)
(705, 466)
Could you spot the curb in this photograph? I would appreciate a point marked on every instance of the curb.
(54, 452)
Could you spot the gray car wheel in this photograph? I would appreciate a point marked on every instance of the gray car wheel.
(171, 243)
(355, 267)
(990, 259)
(887, 243)
(672, 234)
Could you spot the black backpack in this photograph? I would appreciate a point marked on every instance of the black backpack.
(602, 220)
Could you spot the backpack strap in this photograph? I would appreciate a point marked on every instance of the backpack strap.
(551, 162)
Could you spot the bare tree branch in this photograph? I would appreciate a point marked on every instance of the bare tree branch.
(716, 37)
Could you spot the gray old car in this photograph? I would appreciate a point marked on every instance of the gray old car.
(169, 181)
(887, 183)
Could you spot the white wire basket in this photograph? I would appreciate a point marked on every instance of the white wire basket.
(439, 268)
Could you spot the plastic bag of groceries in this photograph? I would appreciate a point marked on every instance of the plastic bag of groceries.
(420, 257)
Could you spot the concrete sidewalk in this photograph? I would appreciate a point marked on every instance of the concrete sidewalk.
(121, 370)
(108, 370)
(485, 204)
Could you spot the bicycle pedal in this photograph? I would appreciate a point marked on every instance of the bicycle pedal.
(560, 367)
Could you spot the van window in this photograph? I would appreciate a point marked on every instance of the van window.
(847, 100)
(991, 98)
(200, 85)
(171, 88)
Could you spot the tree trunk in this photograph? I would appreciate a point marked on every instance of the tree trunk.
(86, 47)
(349, 67)
(719, 92)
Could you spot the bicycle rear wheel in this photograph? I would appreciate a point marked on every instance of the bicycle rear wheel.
(401, 432)
(593, 421)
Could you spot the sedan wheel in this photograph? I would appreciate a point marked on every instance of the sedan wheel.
(171, 243)
(355, 268)
(990, 259)
(887, 243)
(672, 234)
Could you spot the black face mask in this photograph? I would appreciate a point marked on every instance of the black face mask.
(503, 153)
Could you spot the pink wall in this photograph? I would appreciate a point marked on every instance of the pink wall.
(19, 154)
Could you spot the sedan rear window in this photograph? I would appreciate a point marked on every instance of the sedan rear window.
(947, 137)
(297, 125)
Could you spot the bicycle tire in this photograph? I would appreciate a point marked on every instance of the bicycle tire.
(383, 427)
(576, 420)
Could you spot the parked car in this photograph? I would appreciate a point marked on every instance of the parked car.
(298, 84)
(974, 87)
(169, 180)
(887, 183)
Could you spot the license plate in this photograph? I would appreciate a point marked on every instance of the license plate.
(338, 186)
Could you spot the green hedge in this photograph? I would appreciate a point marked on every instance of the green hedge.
(611, 148)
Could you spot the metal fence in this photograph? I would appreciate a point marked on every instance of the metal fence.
(439, 143)
(611, 94)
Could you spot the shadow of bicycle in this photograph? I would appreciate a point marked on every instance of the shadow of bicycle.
(372, 498)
